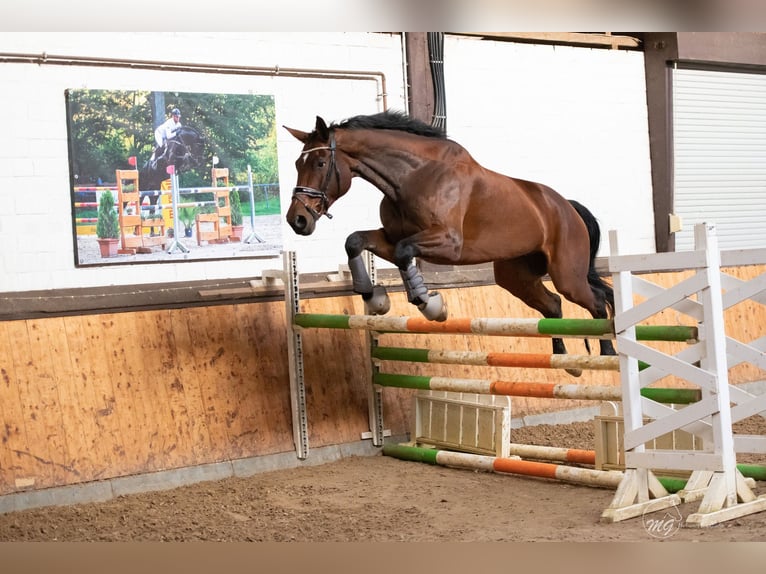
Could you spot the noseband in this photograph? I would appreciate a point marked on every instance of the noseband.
(300, 191)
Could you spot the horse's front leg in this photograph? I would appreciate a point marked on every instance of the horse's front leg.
(432, 304)
(402, 254)
(375, 296)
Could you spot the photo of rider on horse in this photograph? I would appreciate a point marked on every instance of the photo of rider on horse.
(177, 145)
(166, 131)
(180, 146)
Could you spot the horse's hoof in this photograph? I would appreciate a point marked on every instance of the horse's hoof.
(434, 309)
(378, 303)
(574, 372)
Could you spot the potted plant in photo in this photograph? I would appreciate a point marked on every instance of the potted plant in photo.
(236, 215)
(188, 216)
(107, 226)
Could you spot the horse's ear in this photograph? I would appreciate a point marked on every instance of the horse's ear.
(298, 134)
(321, 129)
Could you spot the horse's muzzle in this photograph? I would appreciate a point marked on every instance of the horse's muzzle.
(301, 225)
(300, 220)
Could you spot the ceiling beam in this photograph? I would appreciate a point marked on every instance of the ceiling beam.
(608, 39)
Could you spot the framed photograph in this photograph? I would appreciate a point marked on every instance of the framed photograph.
(170, 176)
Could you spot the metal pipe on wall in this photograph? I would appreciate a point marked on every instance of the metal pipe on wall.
(62, 60)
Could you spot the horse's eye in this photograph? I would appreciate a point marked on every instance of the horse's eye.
(321, 163)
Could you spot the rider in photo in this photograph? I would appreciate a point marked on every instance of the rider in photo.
(165, 131)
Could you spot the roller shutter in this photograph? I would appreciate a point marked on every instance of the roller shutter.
(719, 145)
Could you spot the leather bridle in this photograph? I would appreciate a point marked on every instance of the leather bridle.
(301, 191)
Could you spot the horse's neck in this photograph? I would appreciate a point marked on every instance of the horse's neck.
(187, 133)
(382, 159)
(186, 142)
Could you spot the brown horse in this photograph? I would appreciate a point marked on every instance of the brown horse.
(441, 206)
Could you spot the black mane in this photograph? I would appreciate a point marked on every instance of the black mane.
(391, 120)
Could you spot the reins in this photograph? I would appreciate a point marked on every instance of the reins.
(301, 191)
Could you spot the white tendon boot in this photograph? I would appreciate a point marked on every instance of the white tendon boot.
(430, 304)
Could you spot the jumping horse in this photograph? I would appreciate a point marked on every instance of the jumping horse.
(185, 150)
(441, 206)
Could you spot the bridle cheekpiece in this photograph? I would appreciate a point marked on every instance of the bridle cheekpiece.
(301, 191)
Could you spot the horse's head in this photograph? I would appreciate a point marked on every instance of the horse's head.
(186, 149)
(323, 177)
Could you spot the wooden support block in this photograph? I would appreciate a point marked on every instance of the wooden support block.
(719, 504)
(206, 234)
(639, 492)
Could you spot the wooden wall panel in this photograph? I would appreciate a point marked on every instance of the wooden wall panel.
(38, 407)
(94, 397)
(99, 396)
(132, 399)
(185, 397)
(336, 364)
(45, 377)
(216, 398)
(93, 350)
(13, 434)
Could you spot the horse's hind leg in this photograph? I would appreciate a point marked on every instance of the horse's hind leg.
(522, 277)
(587, 292)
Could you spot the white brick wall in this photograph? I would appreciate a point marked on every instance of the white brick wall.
(569, 117)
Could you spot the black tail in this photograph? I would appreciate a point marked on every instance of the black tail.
(599, 286)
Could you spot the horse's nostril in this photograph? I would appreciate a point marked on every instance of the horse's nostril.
(300, 222)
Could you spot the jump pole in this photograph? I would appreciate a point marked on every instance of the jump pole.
(591, 328)
(530, 389)
(576, 475)
(579, 456)
(483, 359)
(554, 453)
